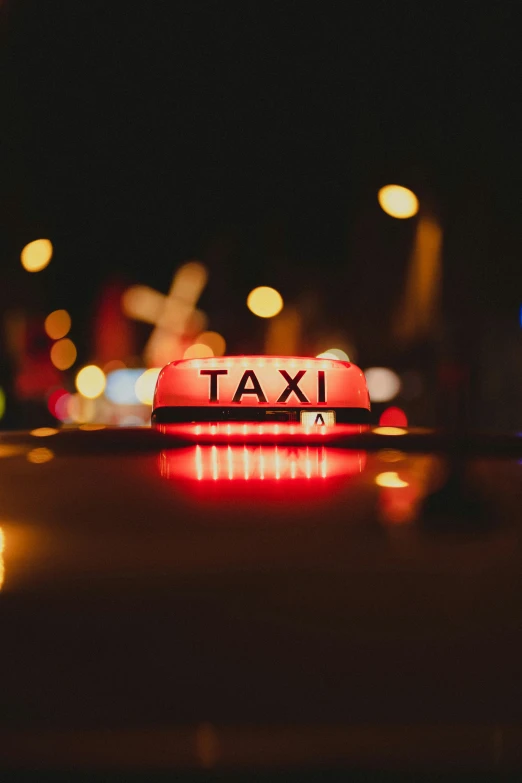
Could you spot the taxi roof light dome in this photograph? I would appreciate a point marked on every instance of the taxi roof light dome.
(300, 390)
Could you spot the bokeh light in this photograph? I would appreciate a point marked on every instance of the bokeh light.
(63, 354)
(80, 409)
(39, 456)
(383, 384)
(389, 431)
(36, 255)
(334, 353)
(198, 351)
(44, 432)
(145, 385)
(120, 386)
(57, 403)
(2, 402)
(214, 340)
(265, 302)
(390, 479)
(57, 324)
(393, 417)
(90, 381)
(398, 202)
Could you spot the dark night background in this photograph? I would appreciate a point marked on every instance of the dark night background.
(254, 137)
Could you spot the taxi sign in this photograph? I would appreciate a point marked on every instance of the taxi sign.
(306, 391)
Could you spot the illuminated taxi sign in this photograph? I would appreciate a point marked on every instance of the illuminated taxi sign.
(261, 388)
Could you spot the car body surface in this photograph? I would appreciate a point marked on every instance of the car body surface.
(286, 608)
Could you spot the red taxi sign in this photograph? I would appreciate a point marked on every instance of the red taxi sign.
(306, 391)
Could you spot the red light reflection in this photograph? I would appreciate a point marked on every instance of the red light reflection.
(262, 471)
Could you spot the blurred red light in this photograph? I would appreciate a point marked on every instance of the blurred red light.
(57, 403)
(393, 417)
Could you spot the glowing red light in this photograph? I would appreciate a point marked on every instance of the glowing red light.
(57, 404)
(235, 432)
(393, 417)
(261, 382)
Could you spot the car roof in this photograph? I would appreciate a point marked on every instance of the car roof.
(137, 597)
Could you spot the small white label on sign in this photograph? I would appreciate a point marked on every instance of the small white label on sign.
(317, 418)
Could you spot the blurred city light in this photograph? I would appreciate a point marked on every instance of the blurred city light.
(383, 384)
(334, 353)
(198, 351)
(2, 402)
(39, 456)
(114, 364)
(57, 324)
(393, 417)
(418, 312)
(214, 340)
(146, 384)
(398, 202)
(36, 255)
(57, 402)
(132, 421)
(44, 432)
(390, 479)
(120, 386)
(389, 431)
(326, 355)
(80, 409)
(265, 302)
(174, 316)
(63, 354)
(90, 381)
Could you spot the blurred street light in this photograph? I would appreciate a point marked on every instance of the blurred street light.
(57, 324)
(145, 385)
(398, 202)
(198, 351)
(383, 384)
(36, 255)
(214, 341)
(265, 302)
(63, 354)
(334, 353)
(90, 381)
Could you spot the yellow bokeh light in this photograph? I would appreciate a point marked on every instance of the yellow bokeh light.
(39, 456)
(198, 351)
(90, 381)
(326, 355)
(265, 302)
(36, 255)
(145, 385)
(390, 479)
(44, 432)
(57, 324)
(63, 354)
(398, 202)
(389, 431)
(92, 427)
(214, 340)
(334, 353)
